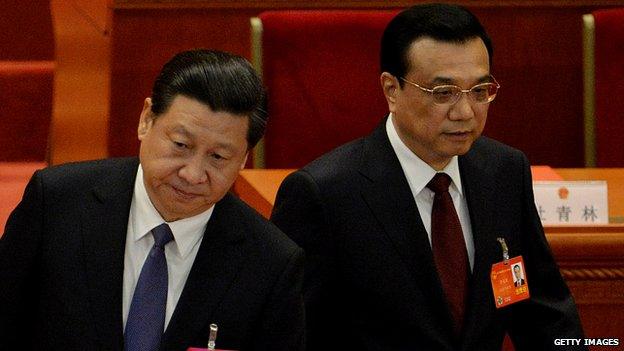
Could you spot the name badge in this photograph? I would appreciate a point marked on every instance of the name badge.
(509, 282)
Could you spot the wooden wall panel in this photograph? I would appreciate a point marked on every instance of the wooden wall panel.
(81, 80)
(591, 260)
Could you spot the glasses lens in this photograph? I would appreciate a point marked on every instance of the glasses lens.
(484, 93)
(445, 94)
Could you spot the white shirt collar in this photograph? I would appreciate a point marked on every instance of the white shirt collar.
(186, 232)
(417, 171)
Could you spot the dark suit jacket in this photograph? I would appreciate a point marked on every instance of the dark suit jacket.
(519, 282)
(61, 270)
(371, 283)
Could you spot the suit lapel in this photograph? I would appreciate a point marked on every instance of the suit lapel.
(220, 256)
(104, 226)
(397, 212)
(479, 186)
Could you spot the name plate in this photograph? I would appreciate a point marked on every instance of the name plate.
(571, 202)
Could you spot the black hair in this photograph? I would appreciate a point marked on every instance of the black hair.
(442, 22)
(223, 81)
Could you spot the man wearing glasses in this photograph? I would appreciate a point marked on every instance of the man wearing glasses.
(401, 228)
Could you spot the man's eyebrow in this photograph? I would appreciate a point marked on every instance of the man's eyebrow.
(485, 79)
(180, 129)
(225, 146)
(442, 80)
(449, 81)
(219, 145)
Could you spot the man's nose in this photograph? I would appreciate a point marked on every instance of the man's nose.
(462, 109)
(194, 171)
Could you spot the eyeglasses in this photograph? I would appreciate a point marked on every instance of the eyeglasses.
(449, 94)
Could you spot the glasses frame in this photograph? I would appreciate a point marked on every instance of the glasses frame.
(461, 91)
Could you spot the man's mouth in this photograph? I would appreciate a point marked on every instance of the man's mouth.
(459, 132)
(458, 135)
(184, 194)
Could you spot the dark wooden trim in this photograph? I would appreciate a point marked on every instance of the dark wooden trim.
(352, 4)
(614, 228)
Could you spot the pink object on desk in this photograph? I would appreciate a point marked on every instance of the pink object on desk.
(13, 179)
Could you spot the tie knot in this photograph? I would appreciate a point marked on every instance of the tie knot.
(162, 235)
(440, 183)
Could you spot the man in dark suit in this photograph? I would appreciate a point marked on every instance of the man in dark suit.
(401, 228)
(144, 254)
(518, 278)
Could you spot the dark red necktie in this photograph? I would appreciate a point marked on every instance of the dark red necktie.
(449, 249)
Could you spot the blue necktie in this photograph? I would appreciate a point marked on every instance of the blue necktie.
(146, 318)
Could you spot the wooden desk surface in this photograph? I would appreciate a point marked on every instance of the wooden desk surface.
(259, 186)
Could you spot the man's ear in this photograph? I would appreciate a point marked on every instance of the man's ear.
(244, 160)
(390, 86)
(146, 120)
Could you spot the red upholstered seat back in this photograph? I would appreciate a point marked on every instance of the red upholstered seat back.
(25, 109)
(26, 31)
(609, 80)
(26, 79)
(321, 69)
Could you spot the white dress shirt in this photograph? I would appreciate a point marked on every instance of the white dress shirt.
(180, 253)
(419, 173)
